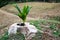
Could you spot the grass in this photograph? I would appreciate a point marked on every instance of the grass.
(52, 26)
(38, 36)
(11, 37)
(55, 18)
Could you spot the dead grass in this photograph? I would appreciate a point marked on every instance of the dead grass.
(39, 9)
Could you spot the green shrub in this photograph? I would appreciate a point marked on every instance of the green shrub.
(3, 3)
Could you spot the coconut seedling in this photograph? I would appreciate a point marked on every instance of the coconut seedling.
(24, 28)
(23, 13)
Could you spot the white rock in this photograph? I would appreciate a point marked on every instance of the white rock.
(13, 29)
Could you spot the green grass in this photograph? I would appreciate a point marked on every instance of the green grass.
(53, 26)
(5, 36)
(57, 18)
(38, 36)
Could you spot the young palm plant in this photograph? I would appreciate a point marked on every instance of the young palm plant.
(23, 13)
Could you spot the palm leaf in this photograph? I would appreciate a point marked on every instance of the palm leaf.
(16, 6)
(24, 12)
(28, 9)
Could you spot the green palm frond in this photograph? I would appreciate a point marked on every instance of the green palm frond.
(23, 13)
(16, 6)
(26, 10)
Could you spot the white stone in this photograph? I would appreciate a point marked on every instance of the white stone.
(13, 28)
